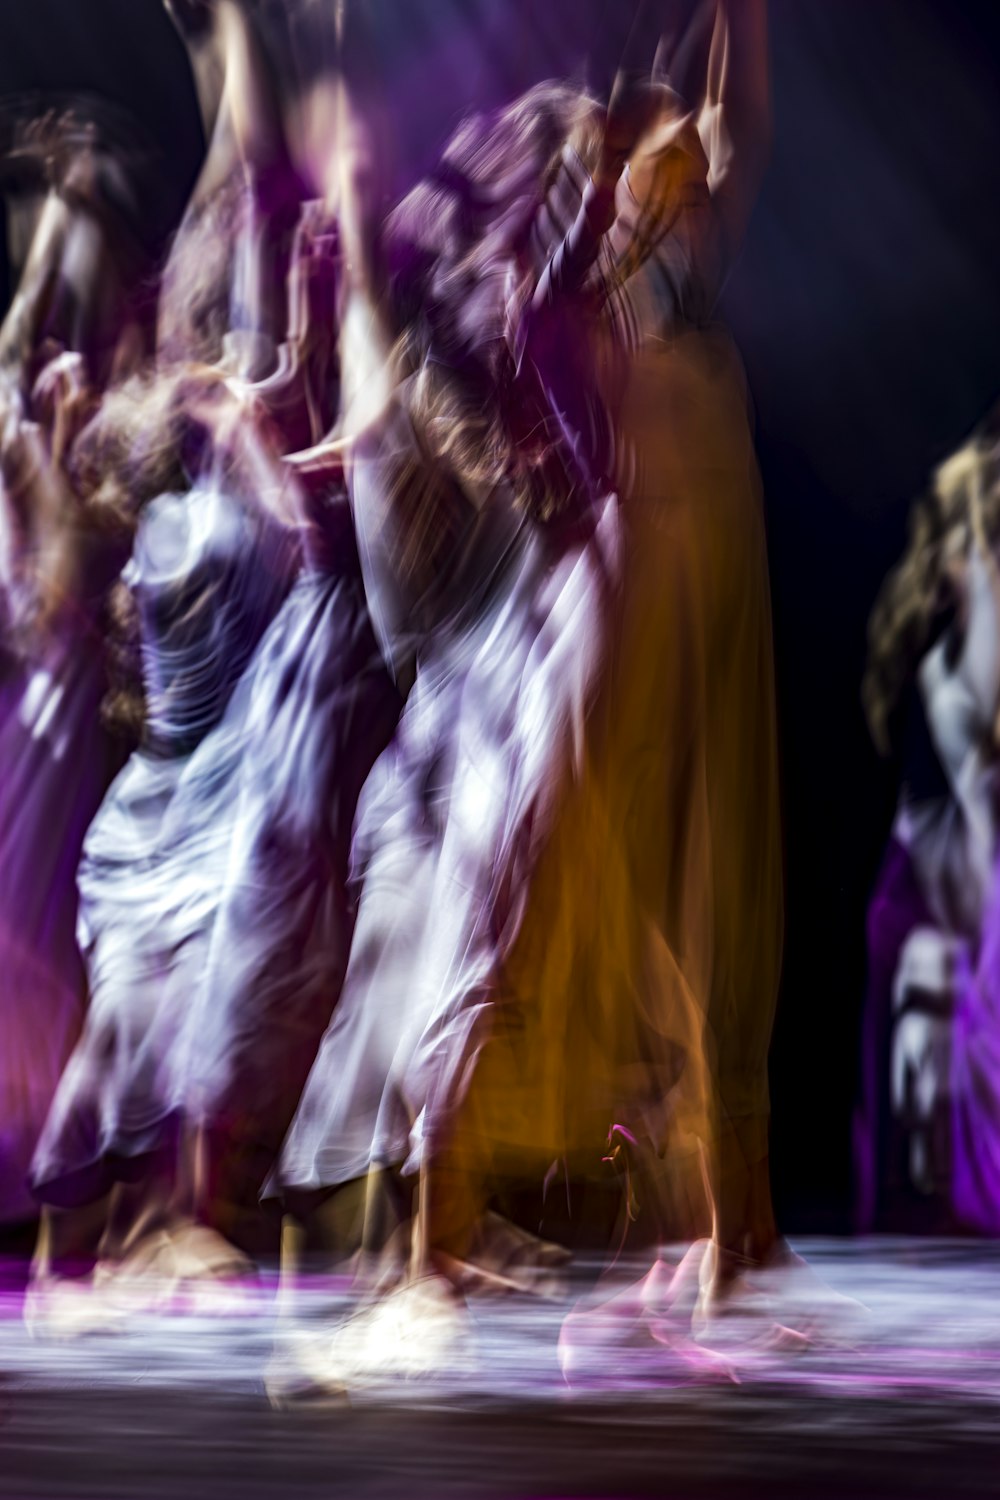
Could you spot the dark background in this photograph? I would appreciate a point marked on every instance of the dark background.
(867, 306)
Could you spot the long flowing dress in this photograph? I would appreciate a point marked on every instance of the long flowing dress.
(56, 763)
(316, 709)
(208, 575)
(571, 903)
(644, 977)
(509, 636)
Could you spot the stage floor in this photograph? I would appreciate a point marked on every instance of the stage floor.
(909, 1404)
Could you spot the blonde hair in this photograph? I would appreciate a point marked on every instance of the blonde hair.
(918, 588)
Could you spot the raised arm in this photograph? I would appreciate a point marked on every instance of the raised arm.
(195, 20)
(735, 119)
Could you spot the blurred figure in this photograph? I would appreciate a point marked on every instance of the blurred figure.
(156, 478)
(620, 947)
(81, 287)
(77, 318)
(933, 688)
(223, 286)
(691, 764)
(214, 915)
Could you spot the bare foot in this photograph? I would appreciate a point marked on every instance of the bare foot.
(184, 1266)
(778, 1303)
(504, 1258)
(417, 1330)
(60, 1309)
(644, 1330)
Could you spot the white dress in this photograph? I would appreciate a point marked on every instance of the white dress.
(208, 575)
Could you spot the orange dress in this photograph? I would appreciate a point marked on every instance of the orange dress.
(641, 985)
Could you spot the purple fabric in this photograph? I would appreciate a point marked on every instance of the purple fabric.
(975, 1084)
(897, 907)
(56, 768)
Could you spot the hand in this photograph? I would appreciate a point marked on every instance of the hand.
(62, 399)
(193, 18)
(921, 1049)
(323, 464)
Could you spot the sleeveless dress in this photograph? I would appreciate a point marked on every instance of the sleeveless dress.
(640, 987)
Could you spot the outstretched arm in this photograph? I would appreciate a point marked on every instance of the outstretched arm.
(735, 119)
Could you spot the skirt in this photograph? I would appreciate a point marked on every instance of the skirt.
(452, 822)
(213, 916)
(55, 766)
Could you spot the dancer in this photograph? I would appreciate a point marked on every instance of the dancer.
(209, 567)
(932, 685)
(214, 972)
(502, 611)
(638, 964)
(495, 614)
(690, 758)
(195, 484)
(75, 319)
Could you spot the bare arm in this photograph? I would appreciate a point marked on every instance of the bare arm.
(247, 138)
(366, 335)
(195, 23)
(237, 99)
(735, 119)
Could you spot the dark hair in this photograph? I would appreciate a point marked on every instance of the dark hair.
(453, 246)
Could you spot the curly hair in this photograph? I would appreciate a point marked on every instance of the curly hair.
(918, 589)
(458, 241)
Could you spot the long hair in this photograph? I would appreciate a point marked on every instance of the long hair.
(918, 590)
(457, 252)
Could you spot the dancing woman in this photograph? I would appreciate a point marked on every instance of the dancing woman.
(932, 689)
(490, 557)
(700, 768)
(74, 320)
(187, 493)
(215, 914)
(975, 1041)
(211, 559)
(624, 944)
(631, 938)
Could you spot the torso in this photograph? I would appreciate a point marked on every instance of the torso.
(206, 584)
